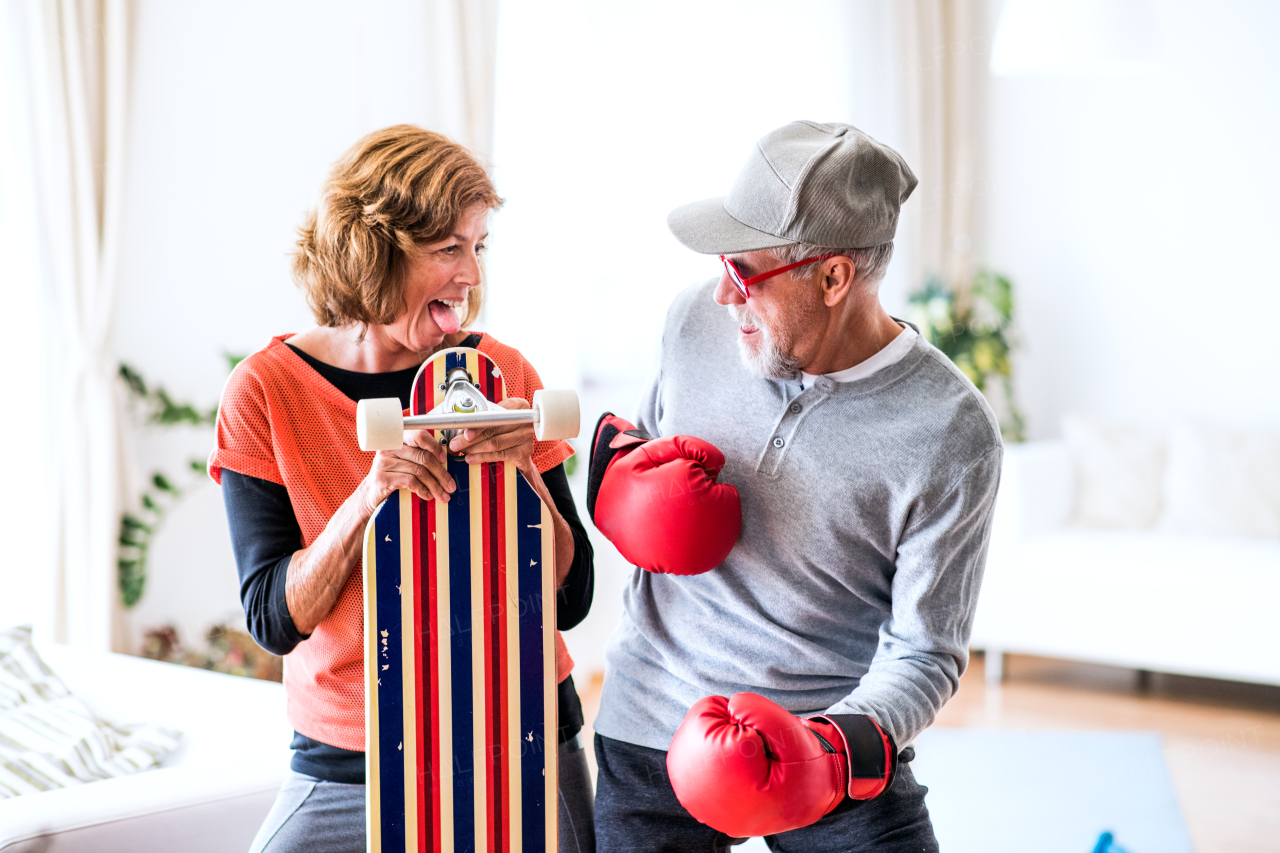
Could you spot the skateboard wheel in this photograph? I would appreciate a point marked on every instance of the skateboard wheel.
(380, 424)
(556, 415)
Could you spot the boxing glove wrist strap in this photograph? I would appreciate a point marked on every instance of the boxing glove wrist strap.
(612, 436)
(871, 753)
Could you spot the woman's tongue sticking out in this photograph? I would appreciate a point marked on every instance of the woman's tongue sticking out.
(446, 317)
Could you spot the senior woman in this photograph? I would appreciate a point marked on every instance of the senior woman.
(390, 262)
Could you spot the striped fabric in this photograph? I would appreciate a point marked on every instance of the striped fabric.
(49, 739)
(460, 660)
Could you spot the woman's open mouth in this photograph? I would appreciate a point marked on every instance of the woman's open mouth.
(447, 314)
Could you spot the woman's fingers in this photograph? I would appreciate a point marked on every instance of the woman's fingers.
(415, 485)
(518, 459)
(431, 458)
(426, 440)
(382, 481)
(513, 439)
(417, 479)
(416, 469)
(469, 439)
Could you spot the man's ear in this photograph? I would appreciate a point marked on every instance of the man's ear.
(838, 275)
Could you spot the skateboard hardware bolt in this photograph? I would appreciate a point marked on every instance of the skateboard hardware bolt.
(477, 384)
(795, 408)
(778, 442)
(442, 386)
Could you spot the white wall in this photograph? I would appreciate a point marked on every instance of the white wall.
(610, 115)
(1136, 216)
(238, 110)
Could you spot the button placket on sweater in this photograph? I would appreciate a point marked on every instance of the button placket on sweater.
(781, 437)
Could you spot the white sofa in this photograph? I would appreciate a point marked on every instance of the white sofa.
(1147, 599)
(210, 795)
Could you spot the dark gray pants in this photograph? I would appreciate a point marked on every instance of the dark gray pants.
(313, 816)
(637, 810)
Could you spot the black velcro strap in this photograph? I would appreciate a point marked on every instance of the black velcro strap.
(866, 748)
(598, 465)
(602, 454)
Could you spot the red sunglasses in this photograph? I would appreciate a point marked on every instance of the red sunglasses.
(744, 284)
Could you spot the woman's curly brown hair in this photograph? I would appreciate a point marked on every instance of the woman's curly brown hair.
(394, 189)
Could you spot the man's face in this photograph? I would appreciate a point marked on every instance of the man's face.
(778, 326)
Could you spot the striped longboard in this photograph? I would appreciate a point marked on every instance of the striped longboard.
(460, 700)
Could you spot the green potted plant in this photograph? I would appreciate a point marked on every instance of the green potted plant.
(138, 527)
(972, 327)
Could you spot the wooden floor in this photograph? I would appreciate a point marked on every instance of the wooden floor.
(1221, 739)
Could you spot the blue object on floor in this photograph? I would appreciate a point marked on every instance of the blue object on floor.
(1106, 844)
(999, 791)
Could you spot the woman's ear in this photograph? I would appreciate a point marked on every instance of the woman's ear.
(838, 275)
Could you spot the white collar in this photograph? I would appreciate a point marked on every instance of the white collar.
(891, 354)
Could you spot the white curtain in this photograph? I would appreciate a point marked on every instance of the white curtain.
(944, 51)
(78, 52)
(462, 42)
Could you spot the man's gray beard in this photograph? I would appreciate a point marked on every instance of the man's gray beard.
(766, 359)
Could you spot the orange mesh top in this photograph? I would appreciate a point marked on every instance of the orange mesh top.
(279, 420)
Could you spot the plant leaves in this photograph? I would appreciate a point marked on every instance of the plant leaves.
(130, 522)
(975, 333)
(133, 380)
(135, 534)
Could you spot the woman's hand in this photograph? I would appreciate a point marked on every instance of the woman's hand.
(514, 443)
(419, 466)
(502, 443)
(318, 573)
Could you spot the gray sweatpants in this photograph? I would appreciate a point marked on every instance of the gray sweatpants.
(313, 816)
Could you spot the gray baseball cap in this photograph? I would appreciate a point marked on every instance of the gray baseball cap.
(822, 184)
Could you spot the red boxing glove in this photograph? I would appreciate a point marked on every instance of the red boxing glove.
(746, 766)
(657, 499)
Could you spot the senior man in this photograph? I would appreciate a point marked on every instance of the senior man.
(867, 467)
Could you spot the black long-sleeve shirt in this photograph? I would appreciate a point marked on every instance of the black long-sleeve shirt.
(265, 533)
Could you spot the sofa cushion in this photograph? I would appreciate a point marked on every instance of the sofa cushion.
(49, 739)
(1223, 481)
(1119, 473)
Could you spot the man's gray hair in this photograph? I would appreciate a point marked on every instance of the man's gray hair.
(869, 264)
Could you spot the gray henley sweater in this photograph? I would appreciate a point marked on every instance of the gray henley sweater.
(866, 515)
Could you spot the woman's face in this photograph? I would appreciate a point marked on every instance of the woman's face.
(437, 282)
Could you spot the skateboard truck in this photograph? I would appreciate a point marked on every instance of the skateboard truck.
(381, 423)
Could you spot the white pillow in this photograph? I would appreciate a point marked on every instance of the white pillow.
(1119, 472)
(1223, 481)
(49, 738)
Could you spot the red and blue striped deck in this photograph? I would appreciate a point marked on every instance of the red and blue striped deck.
(460, 659)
